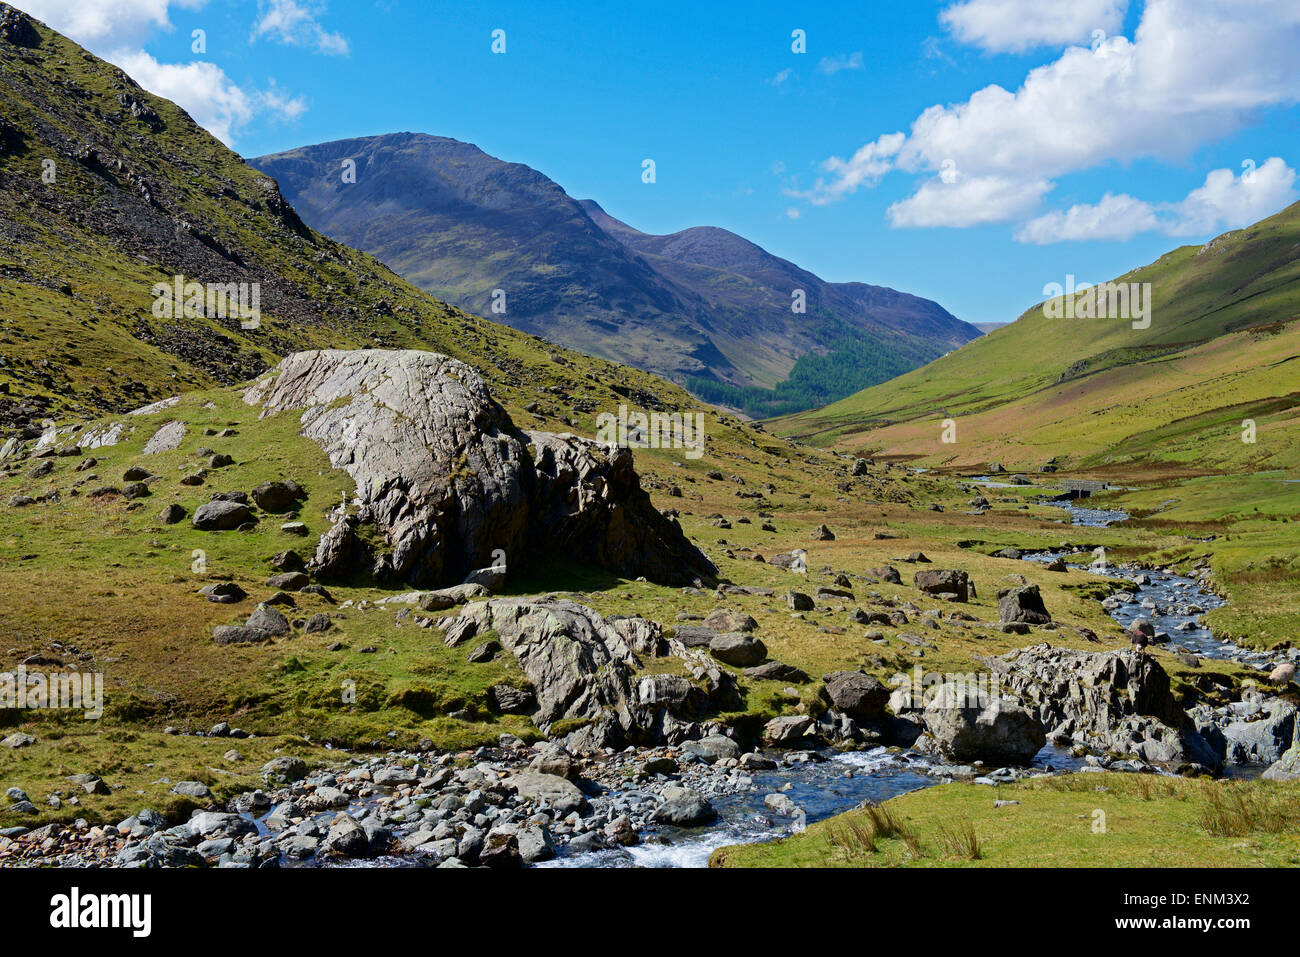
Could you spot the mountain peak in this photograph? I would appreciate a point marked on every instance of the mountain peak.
(703, 306)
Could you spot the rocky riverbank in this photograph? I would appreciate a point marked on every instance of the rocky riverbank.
(507, 806)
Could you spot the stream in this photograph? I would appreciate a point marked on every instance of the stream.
(845, 779)
(827, 782)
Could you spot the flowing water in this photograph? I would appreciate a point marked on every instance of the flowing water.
(820, 789)
(1172, 603)
(831, 782)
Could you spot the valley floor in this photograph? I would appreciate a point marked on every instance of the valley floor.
(96, 581)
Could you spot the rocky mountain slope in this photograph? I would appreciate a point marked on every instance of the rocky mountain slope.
(703, 307)
(1176, 388)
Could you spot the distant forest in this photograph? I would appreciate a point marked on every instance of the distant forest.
(814, 381)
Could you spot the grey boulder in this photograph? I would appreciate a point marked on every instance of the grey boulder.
(220, 516)
(972, 727)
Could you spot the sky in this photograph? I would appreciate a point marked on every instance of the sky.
(969, 151)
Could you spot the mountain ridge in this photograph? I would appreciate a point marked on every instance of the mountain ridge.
(703, 306)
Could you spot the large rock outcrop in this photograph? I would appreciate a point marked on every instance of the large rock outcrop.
(1114, 701)
(579, 664)
(583, 668)
(450, 483)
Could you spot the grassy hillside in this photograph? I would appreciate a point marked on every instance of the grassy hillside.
(1222, 347)
(100, 583)
(94, 581)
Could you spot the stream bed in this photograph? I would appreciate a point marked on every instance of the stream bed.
(821, 784)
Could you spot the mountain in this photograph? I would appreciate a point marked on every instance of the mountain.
(703, 307)
(108, 194)
(1221, 346)
(229, 568)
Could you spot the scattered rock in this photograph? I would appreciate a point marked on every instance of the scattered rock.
(936, 581)
(860, 696)
(1022, 604)
(685, 809)
(219, 516)
(278, 497)
(560, 793)
(739, 650)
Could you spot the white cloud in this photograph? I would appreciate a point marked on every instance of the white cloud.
(831, 65)
(1195, 72)
(1230, 202)
(863, 168)
(1115, 217)
(202, 89)
(781, 77)
(117, 29)
(102, 25)
(1014, 26)
(295, 23)
(205, 92)
(1225, 201)
(969, 201)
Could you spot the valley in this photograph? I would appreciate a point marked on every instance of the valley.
(376, 580)
(702, 307)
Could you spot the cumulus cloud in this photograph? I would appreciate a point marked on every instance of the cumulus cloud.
(1230, 202)
(1196, 71)
(116, 31)
(104, 25)
(294, 22)
(1225, 201)
(1014, 26)
(1115, 217)
(210, 97)
(969, 201)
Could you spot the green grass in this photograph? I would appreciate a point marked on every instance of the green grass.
(1220, 349)
(139, 766)
(107, 587)
(1077, 820)
(118, 586)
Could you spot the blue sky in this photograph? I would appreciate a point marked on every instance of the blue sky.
(971, 151)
